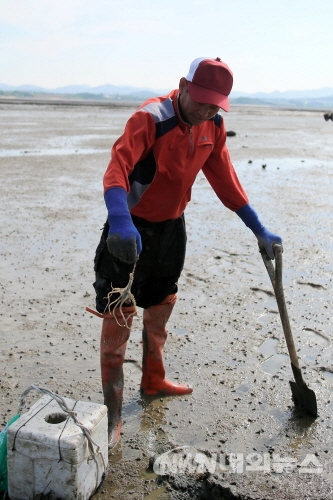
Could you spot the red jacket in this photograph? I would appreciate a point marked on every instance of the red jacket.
(158, 157)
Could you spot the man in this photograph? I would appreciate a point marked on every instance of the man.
(147, 184)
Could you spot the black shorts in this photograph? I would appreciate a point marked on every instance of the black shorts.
(158, 268)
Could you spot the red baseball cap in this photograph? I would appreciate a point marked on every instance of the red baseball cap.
(210, 82)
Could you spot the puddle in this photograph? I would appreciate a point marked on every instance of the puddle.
(268, 347)
(179, 332)
(243, 389)
(131, 410)
(274, 364)
(275, 360)
(310, 358)
(156, 494)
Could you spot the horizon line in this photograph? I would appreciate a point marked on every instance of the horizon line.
(144, 88)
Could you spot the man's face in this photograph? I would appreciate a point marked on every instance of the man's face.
(195, 113)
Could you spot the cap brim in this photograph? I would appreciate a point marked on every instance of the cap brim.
(206, 96)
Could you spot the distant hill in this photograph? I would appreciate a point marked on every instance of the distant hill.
(309, 99)
(288, 94)
(305, 103)
(118, 92)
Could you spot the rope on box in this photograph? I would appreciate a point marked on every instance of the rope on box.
(93, 446)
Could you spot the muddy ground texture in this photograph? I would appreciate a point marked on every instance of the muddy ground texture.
(225, 334)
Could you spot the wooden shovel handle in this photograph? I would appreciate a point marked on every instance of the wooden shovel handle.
(302, 395)
(275, 275)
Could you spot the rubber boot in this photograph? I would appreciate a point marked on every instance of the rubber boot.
(154, 336)
(114, 337)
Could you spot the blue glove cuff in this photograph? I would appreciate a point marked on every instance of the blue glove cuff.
(265, 238)
(250, 218)
(116, 201)
(124, 240)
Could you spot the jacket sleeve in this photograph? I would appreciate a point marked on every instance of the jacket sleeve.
(222, 176)
(135, 143)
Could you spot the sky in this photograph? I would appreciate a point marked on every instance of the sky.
(269, 44)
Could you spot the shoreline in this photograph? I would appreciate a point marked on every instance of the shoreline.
(57, 101)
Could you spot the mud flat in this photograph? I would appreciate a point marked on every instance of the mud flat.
(238, 435)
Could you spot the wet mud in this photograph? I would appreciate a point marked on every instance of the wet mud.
(239, 434)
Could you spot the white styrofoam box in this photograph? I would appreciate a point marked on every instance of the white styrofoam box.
(48, 454)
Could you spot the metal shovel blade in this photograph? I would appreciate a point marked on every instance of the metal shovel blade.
(303, 397)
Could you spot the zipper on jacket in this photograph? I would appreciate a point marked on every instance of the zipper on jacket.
(191, 142)
(191, 146)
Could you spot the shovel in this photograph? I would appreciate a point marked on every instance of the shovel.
(303, 397)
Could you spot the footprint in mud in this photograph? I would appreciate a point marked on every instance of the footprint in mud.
(309, 283)
(317, 332)
(197, 278)
(268, 292)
